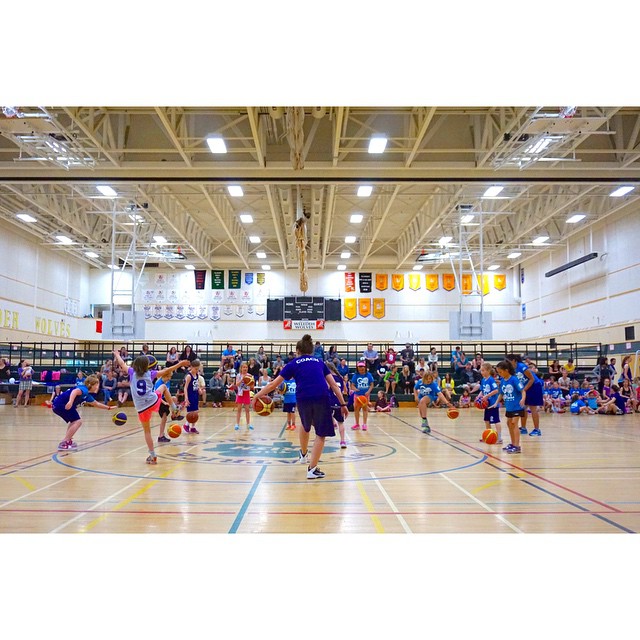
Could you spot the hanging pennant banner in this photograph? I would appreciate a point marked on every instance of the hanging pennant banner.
(349, 308)
(200, 275)
(483, 284)
(235, 281)
(432, 281)
(350, 282)
(248, 278)
(364, 306)
(378, 308)
(499, 281)
(382, 281)
(217, 278)
(397, 281)
(467, 285)
(365, 282)
(260, 278)
(448, 281)
(414, 281)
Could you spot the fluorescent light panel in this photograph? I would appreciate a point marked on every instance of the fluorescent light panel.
(254, 239)
(417, 267)
(377, 144)
(540, 240)
(576, 218)
(356, 218)
(261, 255)
(64, 240)
(350, 239)
(91, 254)
(466, 219)
(493, 267)
(105, 190)
(235, 190)
(25, 217)
(189, 266)
(621, 191)
(216, 144)
(160, 239)
(491, 192)
(266, 267)
(445, 240)
(515, 254)
(345, 255)
(247, 218)
(342, 267)
(364, 191)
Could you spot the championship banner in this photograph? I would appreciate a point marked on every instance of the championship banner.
(499, 281)
(432, 281)
(349, 308)
(248, 278)
(483, 284)
(467, 285)
(235, 281)
(414, 281)
(350, 281)
(365, 282)
(309, 325)
(378, 308)
(217, 278)
(397, 281)
(260, 278)
(200, 275)
(448, 281)
(382, 281)
(364, 306)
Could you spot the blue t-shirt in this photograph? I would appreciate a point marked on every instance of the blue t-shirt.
(488, 385)
(310, 373)
(511, 390)
(290, 394)
(521, 367)
(362, 382)
(555, 393)
(432, 390)
(63, 398)
(343, 370)
(576, 406)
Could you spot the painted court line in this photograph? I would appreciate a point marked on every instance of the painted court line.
(402, 521)
(413, 453)
(26, 495)
(367, 501)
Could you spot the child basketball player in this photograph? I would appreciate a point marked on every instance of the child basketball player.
(361, 384)
(192, 393)
(382, 404)
(146, 400)
(426, 391)
(489, 391)
(164, 375)
(338, 418)
(65, 405)
(513, 395)
(533, 387)
(311, 376)
(289, 403)
(243, 396)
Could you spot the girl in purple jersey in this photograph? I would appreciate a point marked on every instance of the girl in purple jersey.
(533, 387)
(312, 398)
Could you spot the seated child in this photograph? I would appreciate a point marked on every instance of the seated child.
(465, 400)
(579, 406)
(382, 404)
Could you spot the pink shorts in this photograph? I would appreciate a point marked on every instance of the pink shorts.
(243, 398)
(145, 415)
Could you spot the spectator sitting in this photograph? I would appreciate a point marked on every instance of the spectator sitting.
(382, 404)
(332, 355)
(172, 357)
(470, 379)
(188, 354)
(407, 355)
(405, 381)
(343, 369)
(318, 351)
(391, 357)
(216, 386)
(261, 358)
(228, 355)
(370, 356)
(432, 360)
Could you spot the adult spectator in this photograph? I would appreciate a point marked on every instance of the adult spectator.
(570, 368)
(254, 368)
(216, 386)
(188, 354)
(318, 351)
(612, 367)
(228, 355)
(405, 382)
(471, 378)
(5, 374)
(370, 356)
(291, 356)
(432, 360)
(455, 355)
(238, 360)
(564, 382)
(407, 356)
(276, 366)
(554, 369)
(343, 369)
(262, 358)
(173, 357)
(124, 354)
(332, 355)
(145, 350)
(461, 362)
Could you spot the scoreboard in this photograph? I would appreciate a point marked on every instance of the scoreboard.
(304, 308)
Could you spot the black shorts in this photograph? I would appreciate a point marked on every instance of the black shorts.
(337, 415)
(164, 410)
(317, 413)
(515, 414)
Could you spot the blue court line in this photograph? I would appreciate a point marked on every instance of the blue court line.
(245, 504)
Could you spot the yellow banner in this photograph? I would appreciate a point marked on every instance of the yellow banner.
(382, 281)
(378, 308)
(397, 281)
(483, 284)
(499, 281)
(349, 308)
(466, 284)
(414, 281)
(448, 281)
(432, 281)
(364, 305)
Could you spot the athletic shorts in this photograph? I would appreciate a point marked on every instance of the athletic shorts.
(243, 398)
(317, 413)
(515, 414)
(337, 415)
(492, 416)
(534, 396)
(288, 407)
(145, 414)
(164, 410)
(68, 416)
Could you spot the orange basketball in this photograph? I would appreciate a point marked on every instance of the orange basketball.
(490, 436)
(248, 379)
(361, 401)
(192, 417)
(174, 430)
(263, 406)
(453, 413)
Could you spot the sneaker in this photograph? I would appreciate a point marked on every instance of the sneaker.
(343, 444)
(186, 428)
(293, 427)
(303, 458)
(536, 432)
(499, 441)
(176, 416)
(314, 473)
(236, 428)
(364, 427)
(250, 427)
(515, 450)
(194, 430)
(67, 445)
(508, 447)
(355, 426)
(425, 427)
(163, 439)
(152, 460)
(523, 430)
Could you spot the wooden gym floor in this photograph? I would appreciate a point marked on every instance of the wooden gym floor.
(581, 476)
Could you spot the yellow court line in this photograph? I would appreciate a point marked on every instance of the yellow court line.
(486, 486)
(365, 498)
(26, 483)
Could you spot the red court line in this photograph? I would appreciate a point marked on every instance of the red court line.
(535, 475)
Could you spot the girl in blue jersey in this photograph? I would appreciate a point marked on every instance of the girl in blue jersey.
(490, 392)
(426, 391)
(311, 376)
(65, 407)
(513, 395)
(289, 403)
(361, 385)
(533, 387)
(192, 393)
(338, 418)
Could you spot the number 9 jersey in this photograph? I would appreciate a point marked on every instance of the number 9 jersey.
(142, 391)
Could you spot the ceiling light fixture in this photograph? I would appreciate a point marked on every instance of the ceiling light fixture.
(621, 191)
(91, 254)
(261, 255)
(417, 267)
(247, 218)
(235, 191)
(515, 254)
(493, 267)
(266, 267)
(377, 144)
(364, 191)
(160, 239)
(64, 240)
(190, 267)
(491, 192)
(356, 218)
(107, 191)
(350, 239)
(576, 217)
(345, 255)
(445, 240)
(342, 267)
(216, 144)
(25, 217)
(540, 240)
(254, 239)
(466, 219)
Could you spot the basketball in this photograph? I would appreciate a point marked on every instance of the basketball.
(490, 436)
(481, 403)
(119, 418)
(248, 379)
(263, 406)
(174, 430)
(361, 401)
(452, 413)
(192, 417)
(152, 361)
